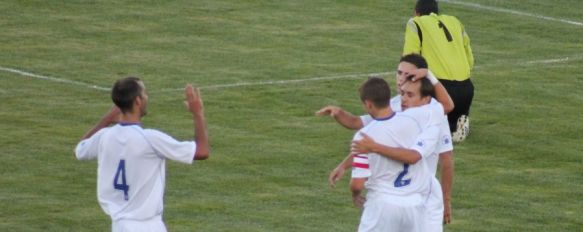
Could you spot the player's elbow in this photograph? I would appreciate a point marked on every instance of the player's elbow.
(202, 154)
(357, 184)
(447, 108)
(413, 159)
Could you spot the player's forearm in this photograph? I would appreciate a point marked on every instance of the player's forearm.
(348, 120)
(404, 155)
(346, 163)
(201, 136)
(104, 122)
(447, 173)
(443, 97)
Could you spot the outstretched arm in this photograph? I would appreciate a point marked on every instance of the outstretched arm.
(195, 106)
(344, 118)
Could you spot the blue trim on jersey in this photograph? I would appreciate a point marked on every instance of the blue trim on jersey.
(385, 118)
(130, 124)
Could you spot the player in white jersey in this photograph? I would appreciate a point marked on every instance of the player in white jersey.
(409, 65)
(413, 96)
(131, 160)
(396, 191)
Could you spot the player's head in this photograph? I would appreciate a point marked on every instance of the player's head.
(426, 7)
(407, 64)
(129, 94)
(416, 93)
(375, 92)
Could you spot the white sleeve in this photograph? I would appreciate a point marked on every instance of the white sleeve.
(170, 148)
(437, 112)
(444, 144)
(88, 148)
(426, 142)
(366, 119)
(360, 168)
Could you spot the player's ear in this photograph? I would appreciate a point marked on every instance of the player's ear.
(426, 99)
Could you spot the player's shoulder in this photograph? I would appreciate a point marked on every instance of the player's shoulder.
(395, 103)
(155, 134)
(449, 18)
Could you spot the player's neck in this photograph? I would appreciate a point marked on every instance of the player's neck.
(130, 117)
(381, 113)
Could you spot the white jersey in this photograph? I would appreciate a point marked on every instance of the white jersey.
(435, 135)
(437, 139)
(386, 177)
(131, 168)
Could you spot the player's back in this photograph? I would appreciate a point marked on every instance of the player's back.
(443, 45)
(130, 174)
(389, 177)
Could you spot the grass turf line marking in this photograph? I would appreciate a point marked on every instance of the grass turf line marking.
(503, 10)
(274, 82)
(54, 79)
(549, 61)
(244, 84)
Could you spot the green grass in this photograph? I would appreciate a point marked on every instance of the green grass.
(520, 170)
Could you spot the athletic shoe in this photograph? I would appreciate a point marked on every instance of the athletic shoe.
(462, 130)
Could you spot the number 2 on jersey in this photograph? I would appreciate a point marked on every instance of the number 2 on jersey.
(399, 182)
(121, 169)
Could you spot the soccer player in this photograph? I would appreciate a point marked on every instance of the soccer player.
(416, 94)
(407, 66)
(442, 40)
(132, 160)
(396, 191)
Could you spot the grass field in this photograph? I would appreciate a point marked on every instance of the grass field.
(520, 170)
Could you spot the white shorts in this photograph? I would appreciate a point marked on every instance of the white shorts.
(434, 208)
(153, 225)
(381, 214)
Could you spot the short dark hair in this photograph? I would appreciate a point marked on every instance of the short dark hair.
(125, 91)
(376, 90)
(426, 7)
(414, 59)
(427, 89)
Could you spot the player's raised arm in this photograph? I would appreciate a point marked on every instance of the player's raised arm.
(440, 92)
(341, 116)
(195, 106)
(109, 118)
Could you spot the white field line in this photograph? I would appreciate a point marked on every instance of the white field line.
(279, 82)
(549, 61)
(515, 12)
(53, 79)
(270, 82)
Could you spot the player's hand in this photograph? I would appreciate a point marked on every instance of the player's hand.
(418, 74)
(193, 100)
(328, 111)
(335, 176)
(447, 215)
(358, 200)
(365, 145)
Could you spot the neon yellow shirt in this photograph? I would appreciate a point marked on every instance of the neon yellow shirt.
(443, 43)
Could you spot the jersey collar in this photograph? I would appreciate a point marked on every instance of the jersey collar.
(386, 118)
(130, 124)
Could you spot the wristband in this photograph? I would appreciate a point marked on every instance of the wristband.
(432, 78)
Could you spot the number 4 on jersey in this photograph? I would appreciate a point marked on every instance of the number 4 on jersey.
(121, 169)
